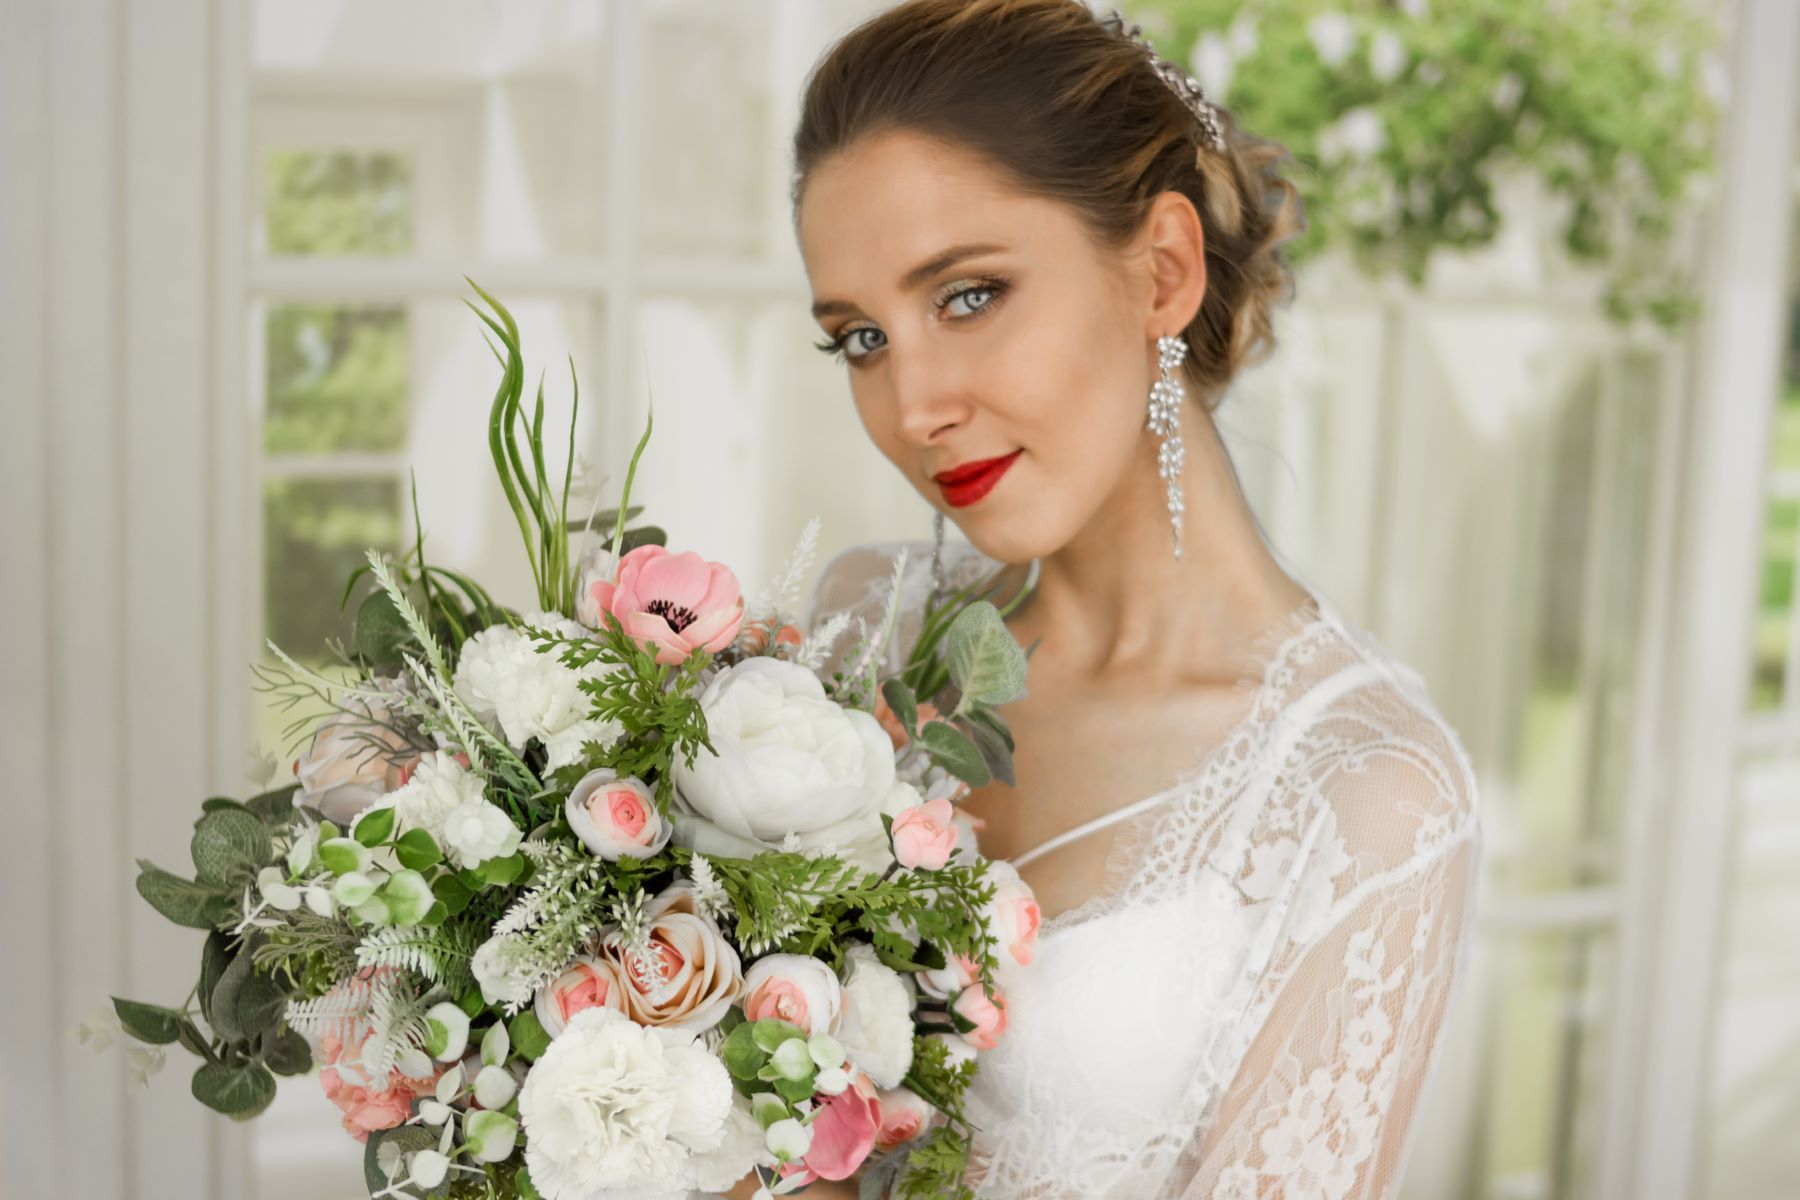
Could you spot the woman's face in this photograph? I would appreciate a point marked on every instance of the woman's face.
(1036, 344)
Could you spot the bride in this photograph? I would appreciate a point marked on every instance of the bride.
(1042, 255)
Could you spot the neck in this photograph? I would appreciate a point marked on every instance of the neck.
(1115, 599)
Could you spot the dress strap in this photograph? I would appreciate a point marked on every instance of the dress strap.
(1087, 827)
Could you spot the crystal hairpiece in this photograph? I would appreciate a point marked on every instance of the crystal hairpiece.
(1180, 82)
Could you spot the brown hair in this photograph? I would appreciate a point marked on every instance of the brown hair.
(1070, 110)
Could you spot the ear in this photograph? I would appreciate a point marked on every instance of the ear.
(1176, 245)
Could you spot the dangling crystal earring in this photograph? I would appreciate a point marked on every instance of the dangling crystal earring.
(1165, 419)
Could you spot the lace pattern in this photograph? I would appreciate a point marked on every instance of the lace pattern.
(1253, 1004)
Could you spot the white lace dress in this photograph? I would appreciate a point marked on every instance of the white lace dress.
(1252, 1006)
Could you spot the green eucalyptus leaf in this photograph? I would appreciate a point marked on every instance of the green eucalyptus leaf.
(229, 846)
(382, 635)
(375, 825)
(417, 851)
(742, 1056)
(238, 1092)
(188, 1034)
(409, 1138)
(985, 662)
(954, 752)
(215, 956)
(900, 698)
(182, 901)
(451, 893)
(288, 1054)
(276, 805)
(500, 872)
(994, 752)
(529, 1038)
(148, 1022)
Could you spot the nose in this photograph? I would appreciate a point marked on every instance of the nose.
(931, 395)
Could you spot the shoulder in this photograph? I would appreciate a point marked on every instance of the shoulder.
(1378, 759)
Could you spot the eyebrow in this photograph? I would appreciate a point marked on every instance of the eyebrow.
(919, 274)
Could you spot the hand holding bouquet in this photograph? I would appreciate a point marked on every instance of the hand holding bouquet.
(615, 897)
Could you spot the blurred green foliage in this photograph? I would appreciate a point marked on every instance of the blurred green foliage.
(336, 379)
(336, 202)
(314, 534)
(1400, 113)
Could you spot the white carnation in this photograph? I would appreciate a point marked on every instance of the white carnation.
(505, 679)
(877, 1024)
(626, 1108)
(476, 831)
(741, 1150)
(438, 787)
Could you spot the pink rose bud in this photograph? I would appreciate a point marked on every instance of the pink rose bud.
(984, 1019)
(674, 604)
(904, 1116)
(615, 816)
(1012, 916)
(924, 835)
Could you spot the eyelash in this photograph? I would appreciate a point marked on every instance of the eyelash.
(995, 284)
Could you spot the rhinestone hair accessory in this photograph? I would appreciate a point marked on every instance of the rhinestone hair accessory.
(1185, 86)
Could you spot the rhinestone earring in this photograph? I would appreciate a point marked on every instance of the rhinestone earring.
(1165, 419)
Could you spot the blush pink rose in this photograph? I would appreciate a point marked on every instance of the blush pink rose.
(843, 1133)
(795, 988)
(1012, 916)
(904, 1116)
(980, 1020)
(674, 603)
(615, 816)
(588, 983)
(924, 835)
(945, 981)
(367, 1104)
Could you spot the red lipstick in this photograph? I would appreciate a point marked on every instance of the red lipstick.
(964, 485)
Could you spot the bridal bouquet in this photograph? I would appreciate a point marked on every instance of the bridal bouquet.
(617, 897)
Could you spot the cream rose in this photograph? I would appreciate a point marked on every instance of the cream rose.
(794, 988)
(789, 761)
(691, 975)
(615, 817)
(354, 759)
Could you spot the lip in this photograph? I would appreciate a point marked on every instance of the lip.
(964, 485)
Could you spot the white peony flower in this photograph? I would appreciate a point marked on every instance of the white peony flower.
(617, 1105)
(502, 966)
(789, 761)
(737, 1154)
(877, 1024)
(506, 680)
(476, 831)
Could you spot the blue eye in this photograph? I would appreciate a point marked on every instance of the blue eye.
(992, 289)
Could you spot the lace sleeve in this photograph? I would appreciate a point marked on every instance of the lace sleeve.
(1326, 1093)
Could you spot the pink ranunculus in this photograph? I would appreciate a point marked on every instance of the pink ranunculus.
(368, 1104)
(904, 1116)
(945, 981)
(1012, 916)
(587, 983)
(986, 1019)
(676, 603)
(794, 988)
(615, 816)
(924, 835)
(843, 1132)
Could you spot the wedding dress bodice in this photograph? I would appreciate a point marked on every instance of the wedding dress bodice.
(1253, 1004)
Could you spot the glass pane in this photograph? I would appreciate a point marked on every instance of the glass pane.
(499, 111)
(709, 126)
(315, 532)
(1545, 1074)
(1781, 539)
(336, 202)
(337, 378)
